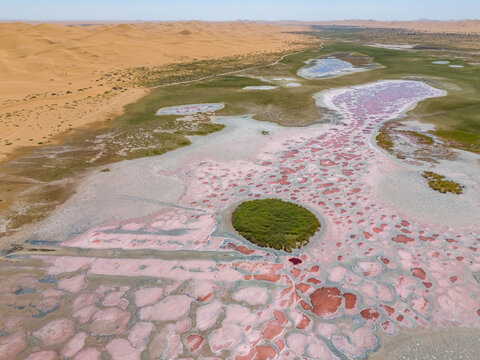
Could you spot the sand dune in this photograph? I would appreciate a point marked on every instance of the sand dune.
(50, 72)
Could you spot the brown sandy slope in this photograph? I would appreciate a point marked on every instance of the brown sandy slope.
(51, 74)
(462, 26)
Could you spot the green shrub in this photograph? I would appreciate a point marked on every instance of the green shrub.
(275, 223)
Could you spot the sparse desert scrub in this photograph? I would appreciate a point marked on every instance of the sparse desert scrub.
(439, 183)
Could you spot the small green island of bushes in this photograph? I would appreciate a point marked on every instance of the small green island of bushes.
(275, 223)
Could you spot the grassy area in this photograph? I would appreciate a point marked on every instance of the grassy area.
(173, 73)
(139, 132)
(438, 183)
(421, 40)
(275, 223)
(389, 133)
(384, 140)
(456, 116)
(418, 137)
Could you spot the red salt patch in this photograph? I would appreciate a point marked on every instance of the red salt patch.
(280, 344)
(194, 342)
(400, 318)
(367, 235)
(419, 273)
(478, 312)
(314, 281)
(280, 317)
(451, 240)
(295, 261)
(305, 305)
(403, 239)
(405, 223)
(386, 325)
(296, 272)
(377, 230)
(265, 352)
(272, 330)
(350, 300)
(326, 300)
(327, 163)
(385, 260)
(388, 309)
(241, 248)
(426, 238)
(204, 298)
(453, 279)
(325, 185)
(304, 288)
(304, 322)
(370, 314)
(267, 277)
(428, 285)
(330, 191)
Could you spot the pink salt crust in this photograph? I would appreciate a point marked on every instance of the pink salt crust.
(371, 271)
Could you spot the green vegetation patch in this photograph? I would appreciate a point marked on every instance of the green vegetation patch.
(275, 223)
(384, 140)
(438, 183)
(419, 138)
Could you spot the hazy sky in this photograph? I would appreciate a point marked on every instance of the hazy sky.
(237, 9)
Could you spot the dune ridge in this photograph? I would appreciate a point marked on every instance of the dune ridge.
(52, 73)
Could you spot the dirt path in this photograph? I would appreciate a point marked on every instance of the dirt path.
(231, 72)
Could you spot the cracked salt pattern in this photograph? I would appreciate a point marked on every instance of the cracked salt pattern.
(373, 270)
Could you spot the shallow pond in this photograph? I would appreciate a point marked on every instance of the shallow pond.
(329, 67)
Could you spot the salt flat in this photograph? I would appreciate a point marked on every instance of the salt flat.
(374, 269)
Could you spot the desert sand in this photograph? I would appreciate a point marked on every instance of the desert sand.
(54, 76)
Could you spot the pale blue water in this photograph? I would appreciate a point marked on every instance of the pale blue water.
(321, 68)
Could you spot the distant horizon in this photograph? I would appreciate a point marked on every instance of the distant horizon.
(230, 10)
(100, 21)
